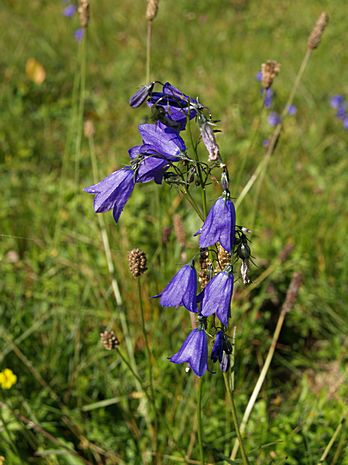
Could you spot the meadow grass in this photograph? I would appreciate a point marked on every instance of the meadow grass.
(76, 403)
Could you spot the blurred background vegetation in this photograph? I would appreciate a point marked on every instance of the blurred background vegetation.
(76, 403)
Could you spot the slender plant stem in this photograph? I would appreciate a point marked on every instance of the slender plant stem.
(149, 362)
(234, 418)
(78, 140)
(331, 442)
(199, 418)
(261, 168)
(148, 50)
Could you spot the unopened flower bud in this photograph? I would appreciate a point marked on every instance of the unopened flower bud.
(141, 95)
(137, 262)
(243, 251)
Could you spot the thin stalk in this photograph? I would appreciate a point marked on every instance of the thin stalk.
(331, 442)
(83, 60)
(148, 50)
(149, 362)
(261, 168)
(199, 418)
(235, 419)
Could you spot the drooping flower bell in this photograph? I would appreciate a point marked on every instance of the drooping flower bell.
(221, 350)
(160, 147)
(219, 226)
(217, 296)
(181, 290)
(113, 192)
(194, 351)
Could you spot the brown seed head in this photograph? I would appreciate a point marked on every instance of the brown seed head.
(88, 128)
(137, 262)
(109, 340)
(83, 11)
(292, 293)
(269, 70)
(151, 10)
(320, 25)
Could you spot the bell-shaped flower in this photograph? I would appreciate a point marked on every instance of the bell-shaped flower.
(181, 290)
(113, 191)
(177, 106)
(194, 351)
(217, 296)
(164, 141)
(141, 95)
(219, 225)
(147, 164)
(221, 350)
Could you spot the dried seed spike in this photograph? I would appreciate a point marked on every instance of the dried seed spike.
(179, 230)
(292, 293)
(137, 262)
(109, 340)
(317, 32)
(83, 11)
(269, 70)
(151, 10)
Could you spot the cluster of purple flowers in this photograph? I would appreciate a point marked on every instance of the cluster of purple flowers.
(338, 103)
(162, 147)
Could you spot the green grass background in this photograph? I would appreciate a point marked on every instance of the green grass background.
(55, 289)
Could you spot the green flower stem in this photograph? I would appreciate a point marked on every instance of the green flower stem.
(199, 418)
(148, 50)
(331, 442)
(149, 358)
(234, 418)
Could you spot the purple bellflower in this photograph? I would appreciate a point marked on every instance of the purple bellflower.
(341, 112)
(221, 351)
(219, 226)
(181, 290)
(141, 95)
(292, 110)
(69, 11)
(194, 351)
(148, 165)
(217, 296)
(161, 145)
(113, 191)
(79, 33)
(176, 105)
(274, 118)
(267, 96)
(336, 101)
(345, 123)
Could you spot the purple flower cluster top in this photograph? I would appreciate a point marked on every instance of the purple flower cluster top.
(162, 148)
